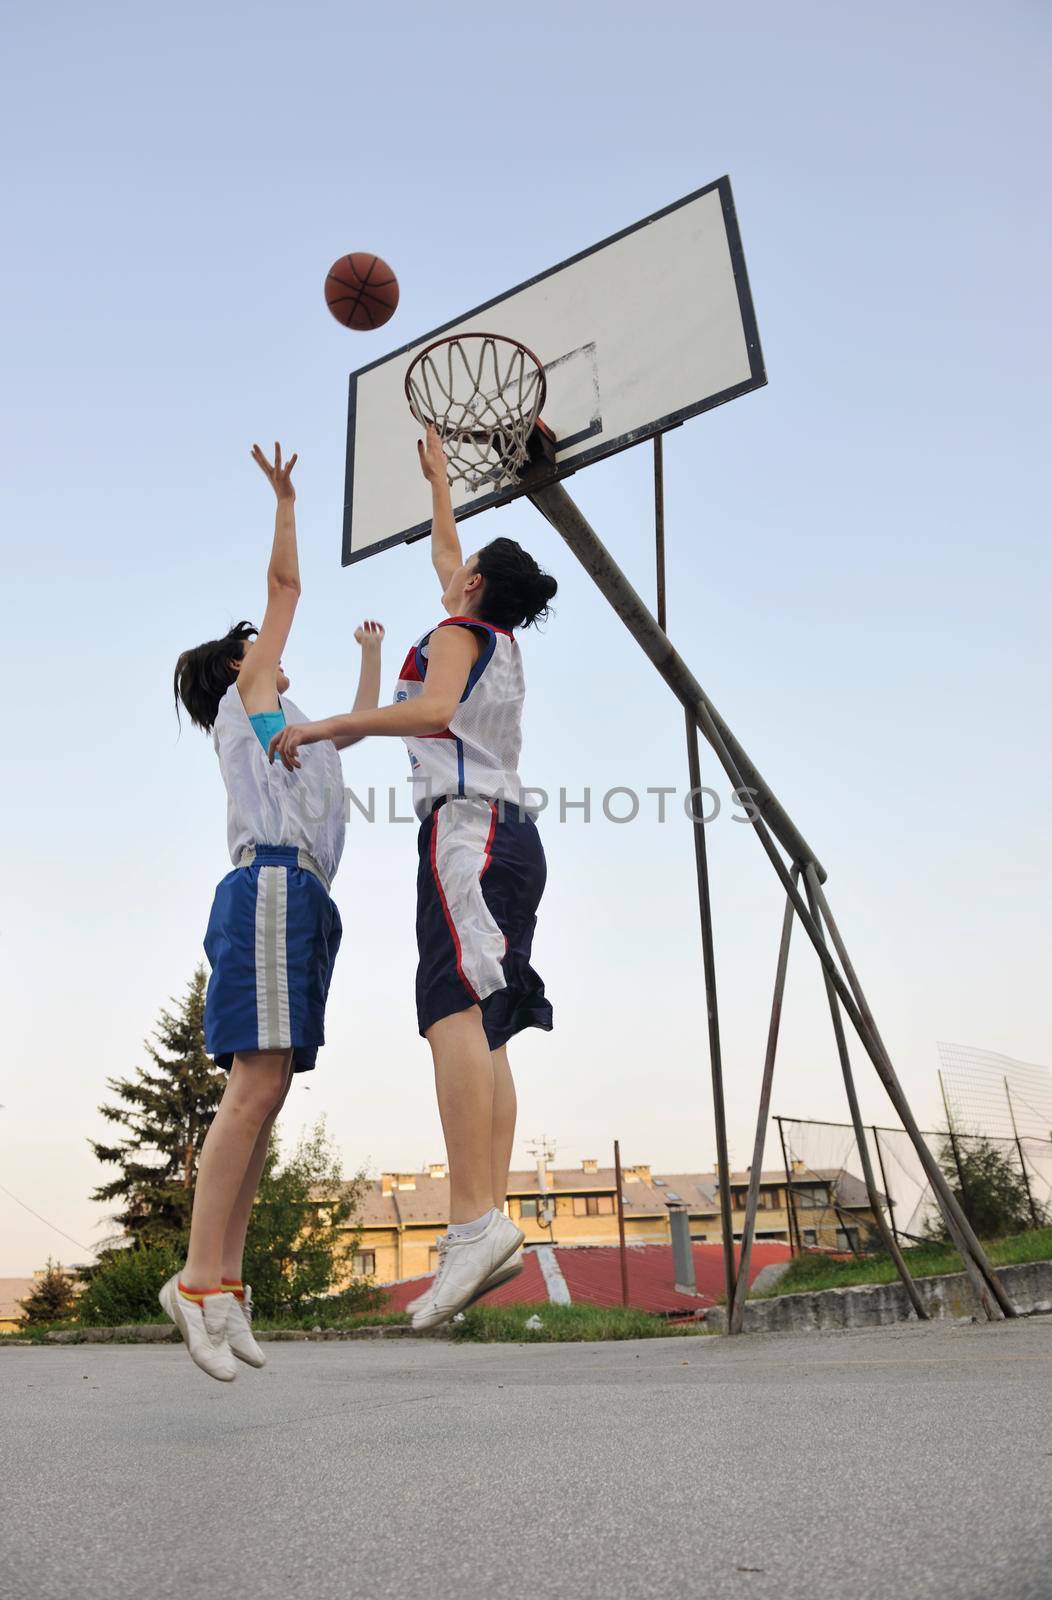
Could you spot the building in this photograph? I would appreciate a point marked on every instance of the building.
(12, 1292)
(402, 1212)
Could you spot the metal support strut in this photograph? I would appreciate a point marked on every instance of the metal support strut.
(768, 817)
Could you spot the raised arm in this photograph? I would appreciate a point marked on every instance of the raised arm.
(370, 636)
(452, 653)
(446, 554)
(257, 680)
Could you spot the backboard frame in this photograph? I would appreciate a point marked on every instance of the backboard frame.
(608, 446)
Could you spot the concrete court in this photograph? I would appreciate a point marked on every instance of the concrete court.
(912, 1461)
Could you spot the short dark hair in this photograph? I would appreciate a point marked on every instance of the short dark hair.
(517, 592)
(204, 674)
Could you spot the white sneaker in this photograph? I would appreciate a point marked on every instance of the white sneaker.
(239, 1331)
(464, 1265)
(203, 1327)
(511, 1269)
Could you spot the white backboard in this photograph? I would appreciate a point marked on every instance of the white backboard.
(636, 334)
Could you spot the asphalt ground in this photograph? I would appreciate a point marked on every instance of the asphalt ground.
(913, 1461)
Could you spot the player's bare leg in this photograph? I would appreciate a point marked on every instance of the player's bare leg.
(480, 1238)
(505, 1106)
(258, 1082)
(464, 1084)
(241, 1213)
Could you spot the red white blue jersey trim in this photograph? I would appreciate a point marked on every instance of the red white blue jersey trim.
(478, 753)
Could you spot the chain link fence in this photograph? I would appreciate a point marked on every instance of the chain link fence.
(825, 1154)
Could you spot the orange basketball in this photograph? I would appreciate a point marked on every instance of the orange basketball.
(361, 291)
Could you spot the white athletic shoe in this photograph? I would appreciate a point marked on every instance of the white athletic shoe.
(239, 1331)
(511, 1269)
(204, 1329)
(464, 1265)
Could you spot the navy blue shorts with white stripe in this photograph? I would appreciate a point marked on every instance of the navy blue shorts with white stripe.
(481, 876)
(272, 939)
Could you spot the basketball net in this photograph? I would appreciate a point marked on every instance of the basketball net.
(483, 393)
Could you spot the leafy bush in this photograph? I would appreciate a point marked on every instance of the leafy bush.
(124, 1284)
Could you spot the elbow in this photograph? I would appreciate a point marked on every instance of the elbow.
(276, 582)
(434, 715)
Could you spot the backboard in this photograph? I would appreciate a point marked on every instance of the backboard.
(636, 334)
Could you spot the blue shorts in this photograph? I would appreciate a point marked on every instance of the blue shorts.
(272, 940)
(481, 876)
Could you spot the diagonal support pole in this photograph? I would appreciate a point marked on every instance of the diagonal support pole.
(987, 1286)
(887, 1239)
(568, 520)
(752, 1199)
(715, 1055)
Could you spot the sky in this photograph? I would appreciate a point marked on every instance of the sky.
(857, 554)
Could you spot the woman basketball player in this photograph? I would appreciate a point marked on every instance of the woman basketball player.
(272, 935)
(458, 706)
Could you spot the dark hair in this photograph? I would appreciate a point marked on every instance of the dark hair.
(204, 674)
(517, 591)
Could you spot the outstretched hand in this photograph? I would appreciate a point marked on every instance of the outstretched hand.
(279, 477)
(432, 456)
(287, 742)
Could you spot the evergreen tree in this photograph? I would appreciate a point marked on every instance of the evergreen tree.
(49, 1300)
(989, 1187)
(165, 1111)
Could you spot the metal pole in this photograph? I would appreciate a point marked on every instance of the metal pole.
(621, 1222)
(553, 502)
(884, 1181)
(889, 1242)
(737, 1311)
(715, 1057)
(984, 1279)
(790, 1207)
(953, 1142)
(701, 865)
(1022, 1162)
(659, 527)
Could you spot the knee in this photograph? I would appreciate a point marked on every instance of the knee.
(257, 1090)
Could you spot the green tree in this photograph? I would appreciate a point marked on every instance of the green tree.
(164, 1111)
(49, 1300)
(302, 1235)
(123, 1285)
(989, 1186)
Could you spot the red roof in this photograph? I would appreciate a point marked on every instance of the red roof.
(593, 1277)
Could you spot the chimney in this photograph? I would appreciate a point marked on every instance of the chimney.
(437, 1169)
(798, 1166)
(387, 1182)
(589, 1165)
(641, 1172)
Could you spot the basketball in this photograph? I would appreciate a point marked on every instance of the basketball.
(361, 291)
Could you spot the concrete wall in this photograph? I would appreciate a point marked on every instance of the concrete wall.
(874, 1305)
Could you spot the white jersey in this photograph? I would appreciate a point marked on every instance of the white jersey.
(268, 805)
(478, 754)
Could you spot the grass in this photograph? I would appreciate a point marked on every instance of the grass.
(808, 1273)
(306, 1323)
(480, 1325)
(563, 1324)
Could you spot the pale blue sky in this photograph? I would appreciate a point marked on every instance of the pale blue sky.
(858, 557)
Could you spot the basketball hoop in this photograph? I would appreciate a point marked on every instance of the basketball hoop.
(483, 393)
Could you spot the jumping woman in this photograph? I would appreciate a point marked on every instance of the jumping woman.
(272, 935)
(458, 706)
